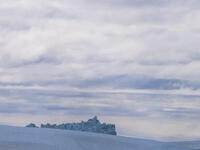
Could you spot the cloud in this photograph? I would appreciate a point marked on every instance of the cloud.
(134, 114)
(118, 41)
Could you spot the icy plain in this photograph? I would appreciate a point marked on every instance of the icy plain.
(21, 138)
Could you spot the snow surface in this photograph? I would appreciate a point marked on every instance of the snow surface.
(192, 144)
(21, 138)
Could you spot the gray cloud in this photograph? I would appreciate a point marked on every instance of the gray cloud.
(127, 110)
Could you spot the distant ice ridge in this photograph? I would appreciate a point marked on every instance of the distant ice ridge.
(92, 125)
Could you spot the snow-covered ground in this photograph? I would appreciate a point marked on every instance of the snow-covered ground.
(21, 138)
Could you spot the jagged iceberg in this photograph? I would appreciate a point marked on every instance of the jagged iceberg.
(92, 125)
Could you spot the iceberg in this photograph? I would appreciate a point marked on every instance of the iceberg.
(92, 125)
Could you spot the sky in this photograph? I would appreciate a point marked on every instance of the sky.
(134, 63)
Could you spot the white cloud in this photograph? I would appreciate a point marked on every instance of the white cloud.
(80, 33)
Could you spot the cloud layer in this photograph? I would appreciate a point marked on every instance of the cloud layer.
(50, 40)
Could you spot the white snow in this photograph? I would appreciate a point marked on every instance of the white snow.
(21, 138)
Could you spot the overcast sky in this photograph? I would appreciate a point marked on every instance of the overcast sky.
(132, 60)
